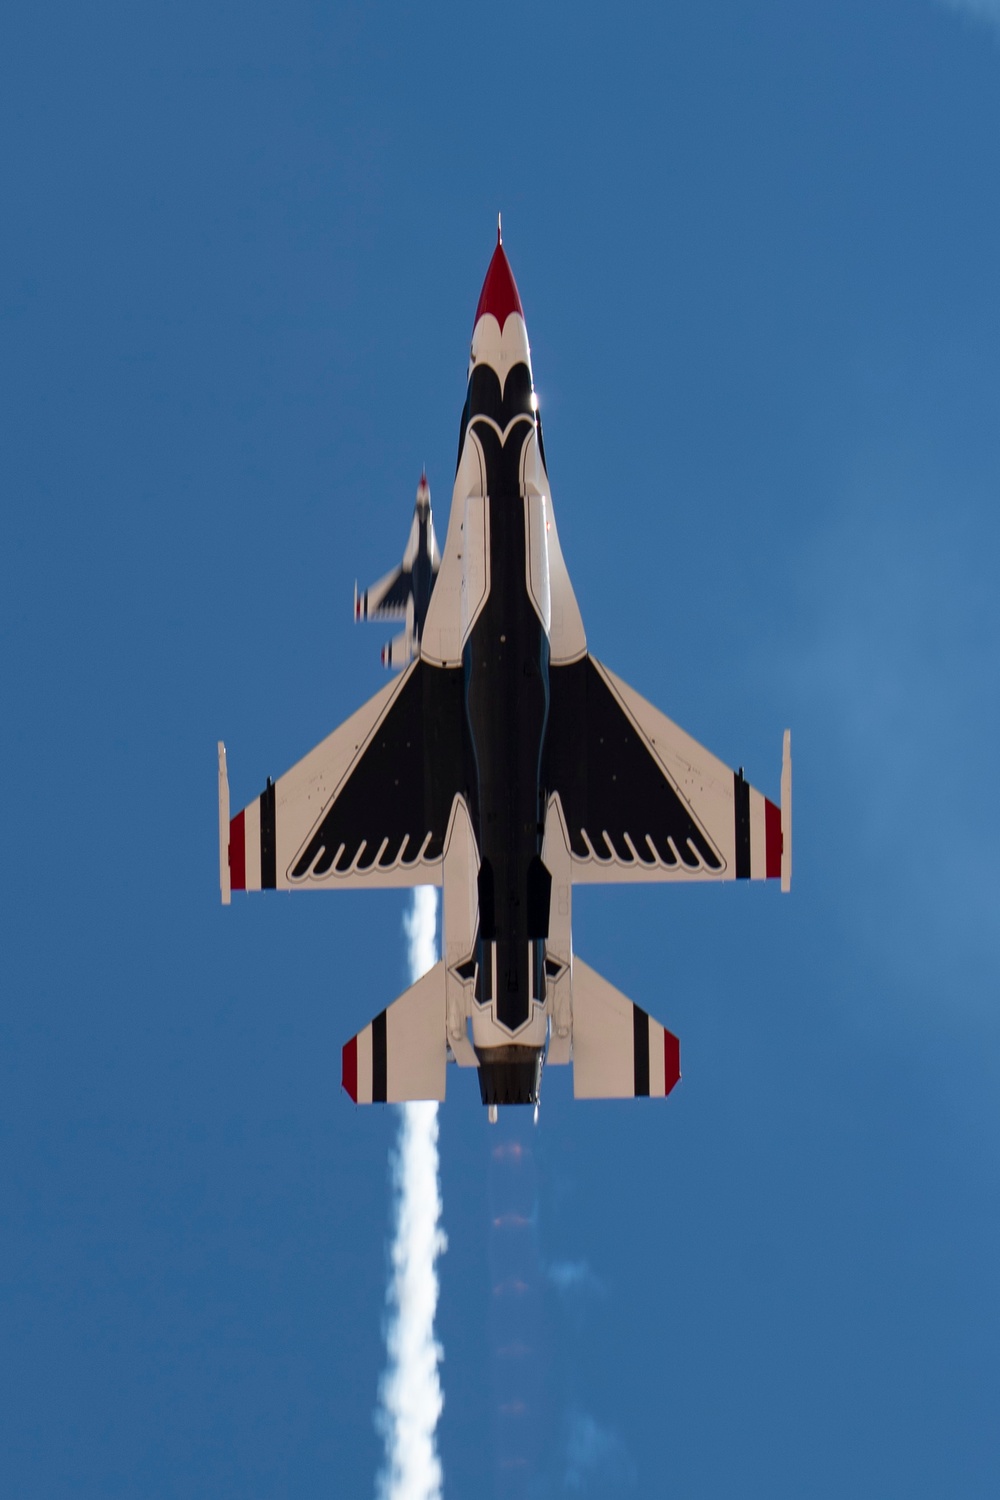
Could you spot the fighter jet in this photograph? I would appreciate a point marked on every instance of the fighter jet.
(405, 593)
(507, 765)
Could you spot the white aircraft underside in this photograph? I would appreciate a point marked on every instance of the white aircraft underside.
(505, 765)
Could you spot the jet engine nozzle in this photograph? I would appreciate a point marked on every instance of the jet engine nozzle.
(509, 1074)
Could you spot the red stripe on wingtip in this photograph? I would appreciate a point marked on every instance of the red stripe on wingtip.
(671, 1061)
(349, 1077)
(773, 839)
(237, 854)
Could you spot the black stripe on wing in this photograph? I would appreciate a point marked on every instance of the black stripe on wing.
(394, 805)
(619, 805)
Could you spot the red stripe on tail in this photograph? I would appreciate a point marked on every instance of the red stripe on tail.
(671, 1061)
(773, 839)
(349, 1077)
(237, 854)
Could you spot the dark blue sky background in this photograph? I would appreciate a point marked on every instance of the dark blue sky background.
(757, 247)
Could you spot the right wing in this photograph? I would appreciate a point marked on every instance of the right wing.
(643, 801)
(385, 600)
(370, 806)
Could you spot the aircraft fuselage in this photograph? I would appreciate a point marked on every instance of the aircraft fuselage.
(505, 765)
(506, 673)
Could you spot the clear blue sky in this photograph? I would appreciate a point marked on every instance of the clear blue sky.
(758, 250)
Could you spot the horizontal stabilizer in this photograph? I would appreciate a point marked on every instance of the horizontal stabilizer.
(398, 653)
(619, 1052)
(401, 1056)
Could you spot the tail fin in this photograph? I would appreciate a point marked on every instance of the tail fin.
(619, 1052)
(401, 1055)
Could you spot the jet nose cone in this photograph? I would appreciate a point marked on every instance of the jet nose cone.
(499, 294)
(423, 492)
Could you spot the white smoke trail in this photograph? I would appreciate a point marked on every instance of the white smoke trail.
(410, 1396)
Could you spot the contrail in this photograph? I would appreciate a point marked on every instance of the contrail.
(410, 1396)
(517, 1323)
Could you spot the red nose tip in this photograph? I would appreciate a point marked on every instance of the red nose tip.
(499, 293)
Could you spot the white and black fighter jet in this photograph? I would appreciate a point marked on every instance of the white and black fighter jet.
(405, 593)
(507, 765)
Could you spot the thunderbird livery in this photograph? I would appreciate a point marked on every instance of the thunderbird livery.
(506, 765)
(405, 593)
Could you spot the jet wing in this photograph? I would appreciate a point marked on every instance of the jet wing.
(401, 1055)
(643, 801)
(385, 600)
(370, 806)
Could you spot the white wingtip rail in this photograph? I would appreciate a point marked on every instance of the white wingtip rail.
(224, 879)
(786, 812)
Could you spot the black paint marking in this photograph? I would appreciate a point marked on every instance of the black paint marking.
(380, 1060)
(392, 605)
(506, 663)
(484, 399)
(268, 842)
(401, 787)
(741, 797)
(640, 1047)
(609, 781)
(487, 903)
(539, 899)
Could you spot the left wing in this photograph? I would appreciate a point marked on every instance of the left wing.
(370, 806)
(644, 801)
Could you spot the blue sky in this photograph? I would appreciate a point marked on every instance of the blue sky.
(757, 247)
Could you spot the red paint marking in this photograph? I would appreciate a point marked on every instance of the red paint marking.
(773, 839)
(237, 854)
(499, 293)
(671, 1061)
(349, 1076)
